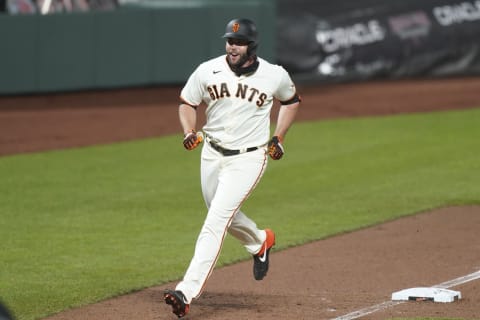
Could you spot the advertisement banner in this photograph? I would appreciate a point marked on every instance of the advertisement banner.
(372, 39)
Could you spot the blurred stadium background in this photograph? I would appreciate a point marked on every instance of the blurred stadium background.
(71, 45)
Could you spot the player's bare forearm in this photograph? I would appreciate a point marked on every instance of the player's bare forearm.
(286, 116)
(188, 117)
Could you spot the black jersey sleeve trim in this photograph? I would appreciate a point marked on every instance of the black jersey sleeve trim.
(188, 104)
(294, 99)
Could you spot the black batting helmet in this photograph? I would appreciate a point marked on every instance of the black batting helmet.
(243, 29)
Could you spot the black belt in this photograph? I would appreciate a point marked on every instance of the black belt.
(228, 152)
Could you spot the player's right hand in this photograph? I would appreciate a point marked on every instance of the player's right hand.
(192, 139)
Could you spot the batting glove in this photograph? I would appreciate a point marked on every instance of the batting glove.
(275, 148)
(192, 139)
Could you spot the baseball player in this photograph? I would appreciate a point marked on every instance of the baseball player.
(238, 89)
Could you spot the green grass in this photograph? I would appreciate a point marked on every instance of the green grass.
(81, 225)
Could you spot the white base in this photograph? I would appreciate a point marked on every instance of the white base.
(427, 294)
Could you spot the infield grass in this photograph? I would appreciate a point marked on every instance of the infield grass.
(81, 225)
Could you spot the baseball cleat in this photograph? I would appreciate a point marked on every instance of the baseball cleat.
(260, 260)
(177, 300)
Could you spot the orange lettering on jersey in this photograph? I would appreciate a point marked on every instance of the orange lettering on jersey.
(224, 91)
(254, 92)
(211, 93)
(241, 91)
(214, 87)
(261, 99)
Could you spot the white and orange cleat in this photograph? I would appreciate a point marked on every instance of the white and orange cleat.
(261, 259)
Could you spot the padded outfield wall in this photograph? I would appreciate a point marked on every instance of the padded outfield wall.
(157, 42)
(335, 41)
(135, 45)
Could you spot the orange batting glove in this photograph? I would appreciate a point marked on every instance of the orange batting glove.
(275, 148)
(192, 139)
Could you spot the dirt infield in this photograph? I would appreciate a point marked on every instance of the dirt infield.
(37, 123)
(321, 280)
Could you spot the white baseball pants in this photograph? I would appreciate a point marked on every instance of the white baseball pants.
(227, 181)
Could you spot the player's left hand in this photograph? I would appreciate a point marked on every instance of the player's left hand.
(192, 139)
(275, 148)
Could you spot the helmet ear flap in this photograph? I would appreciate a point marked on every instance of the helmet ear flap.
(252, 48)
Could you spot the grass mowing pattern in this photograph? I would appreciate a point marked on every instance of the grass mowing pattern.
(81, 225)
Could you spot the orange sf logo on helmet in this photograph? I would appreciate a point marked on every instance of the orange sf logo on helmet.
(235, 27)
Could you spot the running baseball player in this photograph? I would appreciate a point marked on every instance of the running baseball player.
(238, 89)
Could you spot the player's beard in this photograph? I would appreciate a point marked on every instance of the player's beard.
(242, 59)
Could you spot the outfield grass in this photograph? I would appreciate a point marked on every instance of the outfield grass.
(81, 225)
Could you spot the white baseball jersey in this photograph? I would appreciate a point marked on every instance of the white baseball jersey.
(238, 108)
(238, 117)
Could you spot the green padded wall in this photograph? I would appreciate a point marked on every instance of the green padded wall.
(132, 46)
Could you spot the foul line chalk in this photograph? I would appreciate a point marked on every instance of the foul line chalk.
(459, 281)
(387, 304)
